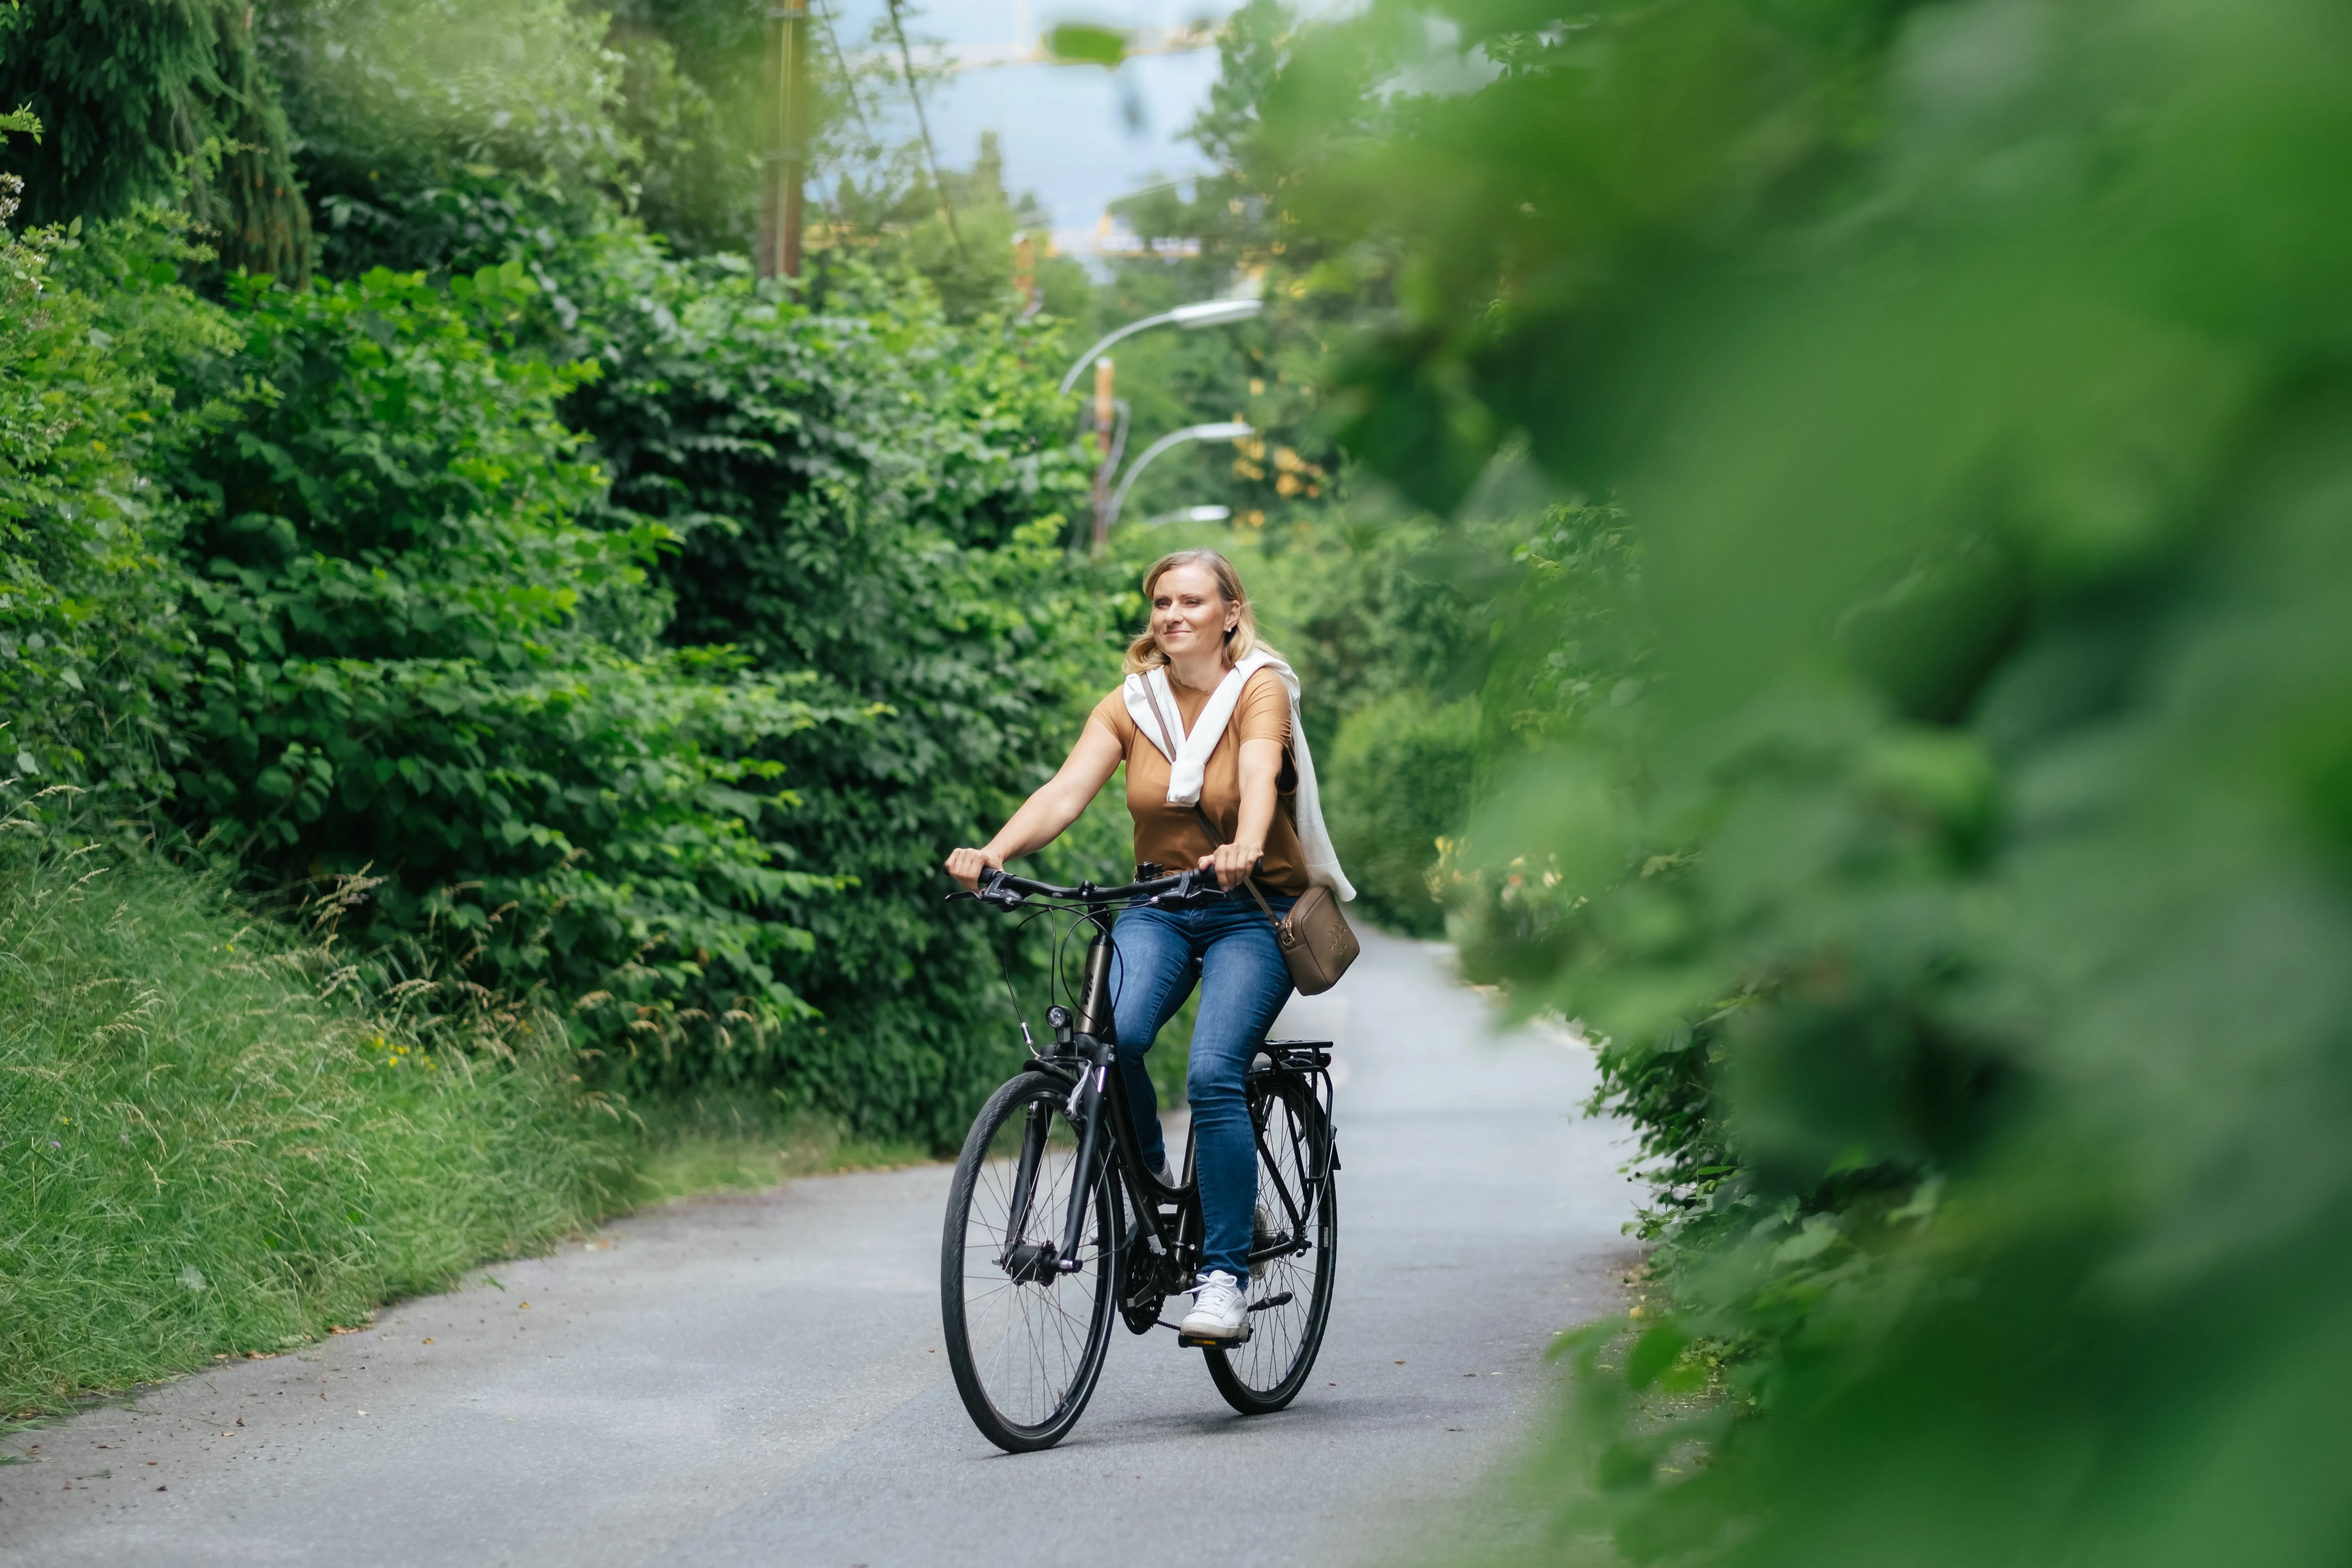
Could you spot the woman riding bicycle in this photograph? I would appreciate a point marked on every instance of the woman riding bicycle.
(1218, 775)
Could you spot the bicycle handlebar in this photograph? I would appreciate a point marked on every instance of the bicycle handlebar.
(1010, 892)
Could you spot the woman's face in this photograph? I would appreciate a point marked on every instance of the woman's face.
(1189, 615)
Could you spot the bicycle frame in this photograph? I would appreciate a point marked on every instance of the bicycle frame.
(1085, 1050)
(1023, 1372)
(1098, 1098)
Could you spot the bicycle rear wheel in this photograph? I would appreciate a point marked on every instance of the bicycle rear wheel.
(1026, 1339)
(1293, 1254)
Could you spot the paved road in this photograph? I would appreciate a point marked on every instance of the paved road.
(758, 1379)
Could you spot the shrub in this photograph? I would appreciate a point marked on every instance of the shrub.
(1965, 867)
(868, 495)
(419, 666)
(93, 643)
(1399, 786)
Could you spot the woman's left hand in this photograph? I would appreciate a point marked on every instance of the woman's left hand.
(1233, 863)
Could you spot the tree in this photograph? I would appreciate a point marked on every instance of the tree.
(145, 100)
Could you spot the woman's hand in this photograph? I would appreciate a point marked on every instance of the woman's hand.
(1233, 863)
(966, 864)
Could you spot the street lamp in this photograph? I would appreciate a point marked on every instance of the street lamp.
(1232, 430)
(1190, 514)
(1192, 317)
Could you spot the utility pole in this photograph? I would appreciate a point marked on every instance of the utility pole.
(1106, 418)
(785, 150)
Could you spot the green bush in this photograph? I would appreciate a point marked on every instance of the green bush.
(210, 1145)
(1399, 786)
(1949, 835)
(872, 496)
(420, 667)
(93, 641)
(624, 631)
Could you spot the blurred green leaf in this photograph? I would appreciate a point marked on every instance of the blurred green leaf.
(1084, 43)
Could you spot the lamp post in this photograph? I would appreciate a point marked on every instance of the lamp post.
(783, 155)
(1189, 514)
(1231, 430)
(1192, 317)
(1110, 444)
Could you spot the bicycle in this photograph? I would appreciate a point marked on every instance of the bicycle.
(1052, 1167)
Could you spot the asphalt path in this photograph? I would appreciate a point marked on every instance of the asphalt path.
(758, 1379)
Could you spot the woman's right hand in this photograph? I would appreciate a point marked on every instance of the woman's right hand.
(966, 864)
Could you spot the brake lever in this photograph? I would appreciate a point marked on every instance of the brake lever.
(989, 891)
(1188, 889)
(992, 890)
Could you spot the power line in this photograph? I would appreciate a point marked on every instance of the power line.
(930, 152)
(848, 80)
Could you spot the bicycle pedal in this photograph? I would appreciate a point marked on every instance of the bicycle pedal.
(1202, 1341)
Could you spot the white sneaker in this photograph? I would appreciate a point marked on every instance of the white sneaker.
(1220, 1308)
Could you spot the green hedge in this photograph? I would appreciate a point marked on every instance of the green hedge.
(616, 628)
(1398, 788)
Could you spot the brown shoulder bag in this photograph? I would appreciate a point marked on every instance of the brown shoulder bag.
(1315, 940)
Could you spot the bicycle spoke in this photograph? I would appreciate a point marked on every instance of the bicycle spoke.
(1033, 1342)
(1290, 1289)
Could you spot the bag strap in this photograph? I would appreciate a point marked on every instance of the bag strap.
(1170, 739)
(1250, 882)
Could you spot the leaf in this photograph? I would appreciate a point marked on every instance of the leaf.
(1658, 1349)
(1085, 42)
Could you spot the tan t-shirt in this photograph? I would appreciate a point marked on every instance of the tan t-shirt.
(1172, 835)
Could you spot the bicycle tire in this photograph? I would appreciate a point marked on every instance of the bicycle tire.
(1025, 1363)
(1266, 1371)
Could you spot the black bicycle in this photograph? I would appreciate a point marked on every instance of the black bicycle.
(1055, 1225)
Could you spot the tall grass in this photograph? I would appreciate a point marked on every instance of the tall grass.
(209, 1144)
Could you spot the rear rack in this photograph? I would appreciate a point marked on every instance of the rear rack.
(1298, 1056)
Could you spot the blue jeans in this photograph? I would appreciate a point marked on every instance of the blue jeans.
(1229, 948)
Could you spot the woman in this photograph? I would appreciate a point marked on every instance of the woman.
(1207, 724)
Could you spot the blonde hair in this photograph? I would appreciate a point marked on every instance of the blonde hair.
(1145, 652)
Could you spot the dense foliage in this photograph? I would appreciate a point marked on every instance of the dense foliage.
(600, 622)
(1942, 811)
(92, 639)
(865, 494)
(144, 104)
(417, 662)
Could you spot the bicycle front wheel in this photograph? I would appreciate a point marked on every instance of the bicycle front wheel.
(1292, 1254)
(1026, 1337)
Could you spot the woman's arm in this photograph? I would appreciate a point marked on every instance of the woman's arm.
(1059, 803)
(1261, 765)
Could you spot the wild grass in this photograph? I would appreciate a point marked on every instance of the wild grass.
(744, 1142)
(209, 1148)
(211, 1143)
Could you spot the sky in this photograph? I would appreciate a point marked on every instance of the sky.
(1065, 134)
